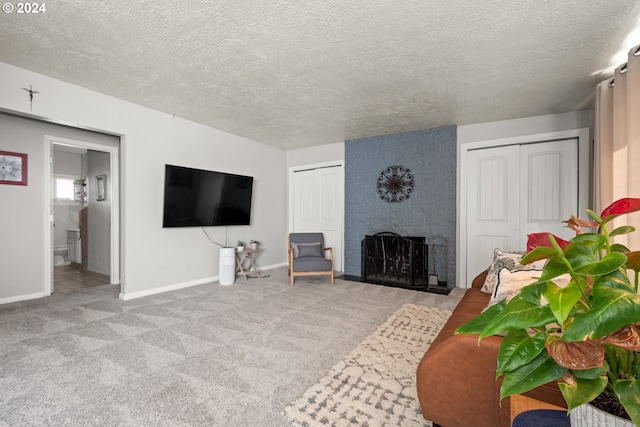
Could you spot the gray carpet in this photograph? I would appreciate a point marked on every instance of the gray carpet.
(207, 355)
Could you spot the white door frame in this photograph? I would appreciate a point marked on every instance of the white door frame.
(292, 170)
(113, 184)
(581, 134)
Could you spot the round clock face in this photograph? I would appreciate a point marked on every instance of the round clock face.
(395, 184)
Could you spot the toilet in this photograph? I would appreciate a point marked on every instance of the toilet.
(60, 255)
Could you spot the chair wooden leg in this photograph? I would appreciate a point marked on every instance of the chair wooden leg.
(331, 277)
(291, 279)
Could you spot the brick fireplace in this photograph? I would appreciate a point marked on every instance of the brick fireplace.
(429, 211)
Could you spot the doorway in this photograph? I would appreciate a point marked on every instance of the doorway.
(91, 227)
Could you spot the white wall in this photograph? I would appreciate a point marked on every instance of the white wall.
(66, 215)
(317, 154)
(525, 126)
(152, 258)
(98, 233)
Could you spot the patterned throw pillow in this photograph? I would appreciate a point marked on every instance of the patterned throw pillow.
(509, 260)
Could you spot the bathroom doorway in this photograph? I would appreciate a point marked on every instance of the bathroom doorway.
(84, 224)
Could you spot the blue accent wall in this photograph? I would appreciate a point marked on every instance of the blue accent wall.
(430, 211)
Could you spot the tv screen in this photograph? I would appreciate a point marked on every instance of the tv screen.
(200, 198)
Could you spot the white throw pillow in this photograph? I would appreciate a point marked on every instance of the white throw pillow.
(511, 282)
(509, 260)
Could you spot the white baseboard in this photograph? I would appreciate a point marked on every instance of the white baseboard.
(176, 286)
(23, 297)
(272, 266)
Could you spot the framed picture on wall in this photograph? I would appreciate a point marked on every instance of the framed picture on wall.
(13, 168)
(101, 184)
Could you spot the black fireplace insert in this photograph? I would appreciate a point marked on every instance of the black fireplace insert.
(391, 259)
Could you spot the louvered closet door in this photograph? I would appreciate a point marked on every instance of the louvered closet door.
(516, 190)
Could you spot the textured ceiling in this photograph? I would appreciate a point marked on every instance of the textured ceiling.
(302, 73)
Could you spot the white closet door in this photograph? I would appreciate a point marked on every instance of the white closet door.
(317, 206)
(516, 190)
(549, 191)
(493, 205)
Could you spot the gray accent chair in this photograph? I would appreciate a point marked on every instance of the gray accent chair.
(307, 256)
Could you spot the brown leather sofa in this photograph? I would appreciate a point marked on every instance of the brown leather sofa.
(456, 378)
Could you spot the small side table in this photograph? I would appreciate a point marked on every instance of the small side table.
(246, 263)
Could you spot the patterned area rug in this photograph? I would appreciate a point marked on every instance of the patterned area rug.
(375, 384)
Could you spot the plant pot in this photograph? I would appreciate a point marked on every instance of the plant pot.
(240, 248)
(589, 416)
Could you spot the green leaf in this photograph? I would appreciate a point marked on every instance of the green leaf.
(625, 229)
(593, 240)
(478, 324)
(594, 215)
(628, 392)
(579, 255)
(518, 348)
(612, 309)
(582, 391)
(519, 314)
(589, 374)
(617, 247)
(617, 279)
(611, 262)
(555, 267)
(562, 301)
(538, 253)
(540, 370)
(532, 292)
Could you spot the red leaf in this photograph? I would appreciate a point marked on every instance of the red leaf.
(627, 338)
(633, 260)
(575, 223)
(542, 239)
(578, 355)
(620, 207)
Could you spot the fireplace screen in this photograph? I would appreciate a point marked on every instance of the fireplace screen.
(391, 259)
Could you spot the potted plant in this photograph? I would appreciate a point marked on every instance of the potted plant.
(240, 246)
(585, 335)
(254, 244)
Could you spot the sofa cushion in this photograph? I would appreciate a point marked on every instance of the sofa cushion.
(304, 264)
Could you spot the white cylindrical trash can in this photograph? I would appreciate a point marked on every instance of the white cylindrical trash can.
(227, 266)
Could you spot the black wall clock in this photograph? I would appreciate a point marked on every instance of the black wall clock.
(395, 184)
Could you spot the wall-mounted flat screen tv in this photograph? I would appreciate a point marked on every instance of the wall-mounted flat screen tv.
(201, 198)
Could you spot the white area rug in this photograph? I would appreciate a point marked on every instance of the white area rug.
(375, 384)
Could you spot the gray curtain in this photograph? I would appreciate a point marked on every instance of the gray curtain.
(617, 141)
